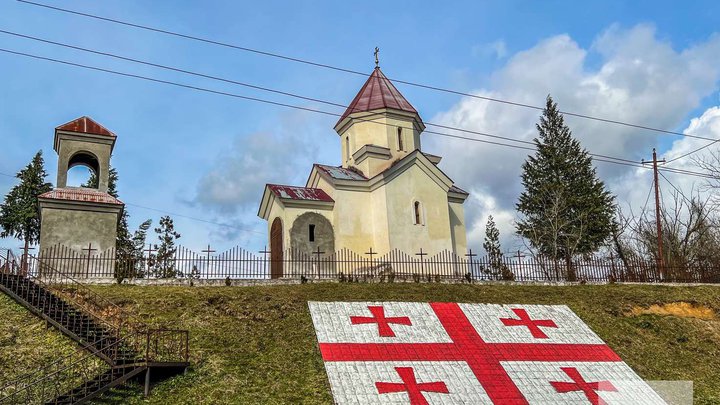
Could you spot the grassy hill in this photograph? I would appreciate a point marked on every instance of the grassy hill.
(257, 344)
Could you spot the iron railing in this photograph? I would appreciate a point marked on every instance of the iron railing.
(128, 345)
(345, 265)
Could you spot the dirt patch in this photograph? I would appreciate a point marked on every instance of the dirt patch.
(680, 309)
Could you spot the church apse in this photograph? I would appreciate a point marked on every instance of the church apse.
(310, 232)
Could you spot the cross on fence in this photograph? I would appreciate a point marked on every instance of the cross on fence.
(371, 254)
(264, 252)
(89, 250)
(519, 256)
(470, 256)
(209, 252)
(150, 250)
(317, 253)
(421, 254)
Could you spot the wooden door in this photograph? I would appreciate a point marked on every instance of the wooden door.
(276, 249)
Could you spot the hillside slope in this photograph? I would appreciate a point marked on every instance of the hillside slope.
(257, 344)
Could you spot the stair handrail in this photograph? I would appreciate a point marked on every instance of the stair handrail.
(78, 286)
(26, 386)
(83, 348)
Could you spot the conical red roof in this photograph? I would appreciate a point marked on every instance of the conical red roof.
(85, 125)
(378, 92)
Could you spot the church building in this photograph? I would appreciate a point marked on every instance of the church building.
(387, 194)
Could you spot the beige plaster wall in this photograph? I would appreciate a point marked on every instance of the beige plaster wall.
(76, 229)
(381, 131)
(457, 228)
(434, 234)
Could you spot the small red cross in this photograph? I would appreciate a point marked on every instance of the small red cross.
(532, 324)
(579, 384)
(379, 318)
(410, 385)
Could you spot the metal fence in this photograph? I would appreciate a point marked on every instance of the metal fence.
(345, 265)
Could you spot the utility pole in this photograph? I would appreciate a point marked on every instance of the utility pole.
(658, 224)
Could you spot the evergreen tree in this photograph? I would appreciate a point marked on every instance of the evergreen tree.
(20, 214)
(130, 262)
(566, 210)
(496, 265)
(126, 242)
(165, 251)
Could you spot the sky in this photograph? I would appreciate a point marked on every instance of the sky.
(204, 158)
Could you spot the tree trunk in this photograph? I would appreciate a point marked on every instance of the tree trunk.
(24, 264)
(570, 270)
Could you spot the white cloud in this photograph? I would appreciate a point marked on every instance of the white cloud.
(230, 191)
(639, 79)
(497, 48)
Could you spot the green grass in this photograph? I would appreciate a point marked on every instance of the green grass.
(257, 344)
(26, 342)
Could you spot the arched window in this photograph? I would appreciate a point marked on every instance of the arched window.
(400, 139)
(417, 210)
(347, 148)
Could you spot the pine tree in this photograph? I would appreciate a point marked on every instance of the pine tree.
(127, 251)
(19, 214)
(566, 210)
(165, 256)
(496, 265)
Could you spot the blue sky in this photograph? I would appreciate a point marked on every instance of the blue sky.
(207, 156)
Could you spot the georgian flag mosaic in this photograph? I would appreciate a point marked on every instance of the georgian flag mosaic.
(449, 353)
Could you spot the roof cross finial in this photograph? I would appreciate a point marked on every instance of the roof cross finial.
(377, 61)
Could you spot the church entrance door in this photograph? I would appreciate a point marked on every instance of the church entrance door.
(276, 249)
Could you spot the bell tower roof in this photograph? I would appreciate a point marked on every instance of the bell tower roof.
(85, 125)
(378, 92)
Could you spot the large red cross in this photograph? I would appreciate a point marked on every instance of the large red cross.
(482, 357)
(532, 324)
(579, 384)
(410, 385)
(383, 323)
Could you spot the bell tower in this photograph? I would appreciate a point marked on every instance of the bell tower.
(79, 218)
(379, 126)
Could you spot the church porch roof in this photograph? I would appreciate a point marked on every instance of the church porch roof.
(299, 193)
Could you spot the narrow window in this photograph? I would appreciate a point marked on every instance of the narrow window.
(347, 148)
(311, 232)
(418, 215)
(400, 139)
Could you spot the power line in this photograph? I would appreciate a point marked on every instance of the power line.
(596, 157)
(355, 72)
(235, 82)
(694, 151)
(178, 215)
(601, 158)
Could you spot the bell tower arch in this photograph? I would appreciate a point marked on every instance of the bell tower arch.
(87, 143)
